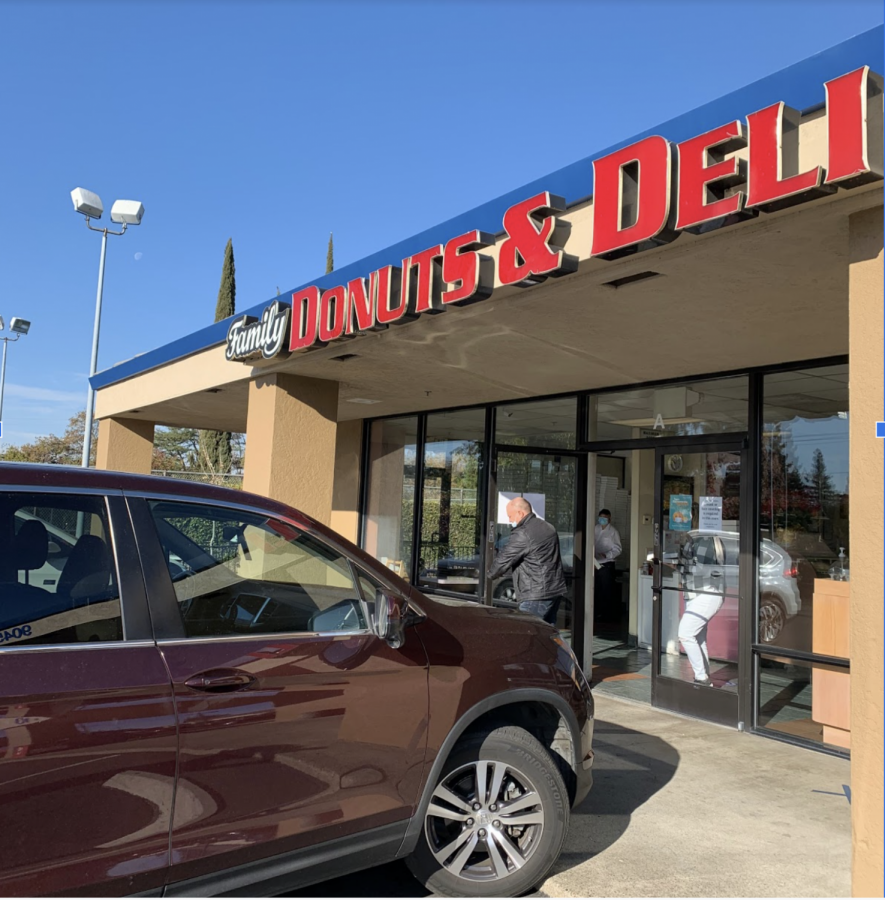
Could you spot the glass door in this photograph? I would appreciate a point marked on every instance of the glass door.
(700, 580)
(550, 483)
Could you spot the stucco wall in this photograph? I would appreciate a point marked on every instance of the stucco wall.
(867, 364)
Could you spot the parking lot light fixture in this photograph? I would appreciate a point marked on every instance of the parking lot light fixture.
(18, 327)
(125, 213)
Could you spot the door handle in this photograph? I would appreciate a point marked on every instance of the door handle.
(219, 681)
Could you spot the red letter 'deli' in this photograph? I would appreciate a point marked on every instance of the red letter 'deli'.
(773, 182)
(705, 175)
(631, 199)
(854, 128)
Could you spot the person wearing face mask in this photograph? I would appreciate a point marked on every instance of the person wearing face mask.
(607, 548)
(532, 553)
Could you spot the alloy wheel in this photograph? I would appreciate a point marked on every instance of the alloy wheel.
(771, 621)
(484, 821)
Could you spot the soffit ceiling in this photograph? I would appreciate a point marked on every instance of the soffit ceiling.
(765, 292)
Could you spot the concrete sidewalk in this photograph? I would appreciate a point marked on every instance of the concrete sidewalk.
(682, 808)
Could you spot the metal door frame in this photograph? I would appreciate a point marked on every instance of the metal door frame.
(581, 547)
(722, 707)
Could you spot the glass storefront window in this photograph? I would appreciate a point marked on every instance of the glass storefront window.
(804, 700)
(717, 406)
(451, 508)
(550, 484)
(804, 500)
(391, 495)
(549, 423)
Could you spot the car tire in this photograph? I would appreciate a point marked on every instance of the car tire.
(508, 860)
(772, 619)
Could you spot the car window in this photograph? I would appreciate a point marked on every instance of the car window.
(240, 573)
(369, 586)
(58, 579)
(732, 548)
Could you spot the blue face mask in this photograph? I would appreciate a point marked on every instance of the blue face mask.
(602, 520)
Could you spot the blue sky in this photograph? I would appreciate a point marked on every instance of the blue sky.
(275, 123)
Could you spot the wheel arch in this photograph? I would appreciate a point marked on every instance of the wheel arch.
(544, 714)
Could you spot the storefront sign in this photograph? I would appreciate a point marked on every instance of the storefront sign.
(710, 514)
(249, 337)
(645, 195)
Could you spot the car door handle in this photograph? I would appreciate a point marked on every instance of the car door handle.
(220, 681)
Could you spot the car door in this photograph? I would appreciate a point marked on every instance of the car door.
(297, 724)
(87, 724)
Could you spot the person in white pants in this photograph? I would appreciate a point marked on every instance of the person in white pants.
(693, 632)
(701, 604)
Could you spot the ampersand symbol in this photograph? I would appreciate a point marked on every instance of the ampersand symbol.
(526, 257)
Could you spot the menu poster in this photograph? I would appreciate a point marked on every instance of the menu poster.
(680, 512)
(710, 514)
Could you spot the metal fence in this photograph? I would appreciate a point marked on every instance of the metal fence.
(227, 480)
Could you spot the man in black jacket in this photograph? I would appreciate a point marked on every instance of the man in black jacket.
(533, 554)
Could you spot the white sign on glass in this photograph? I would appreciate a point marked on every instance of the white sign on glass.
(710, 514)
(538, 502)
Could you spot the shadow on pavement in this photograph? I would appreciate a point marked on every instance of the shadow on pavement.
(629, 768)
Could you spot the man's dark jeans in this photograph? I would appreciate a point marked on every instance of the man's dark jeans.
(544, 609)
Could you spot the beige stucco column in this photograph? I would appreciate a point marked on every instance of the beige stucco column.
(346, 489)
(291, 432)
(867, 399)
(125, 445)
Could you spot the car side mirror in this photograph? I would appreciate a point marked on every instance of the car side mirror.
(393, 616)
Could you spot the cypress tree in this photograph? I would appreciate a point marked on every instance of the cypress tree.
(330, 256)
(215, 445)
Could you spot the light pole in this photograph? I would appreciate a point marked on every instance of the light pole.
(125, 213)
(18, 327)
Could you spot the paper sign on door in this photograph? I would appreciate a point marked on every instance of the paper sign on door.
(710, 514)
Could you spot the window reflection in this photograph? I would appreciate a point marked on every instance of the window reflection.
(390, 506)
(804, 496)
(451, 509)
(704, 407)
(805, 700)
(550, 423)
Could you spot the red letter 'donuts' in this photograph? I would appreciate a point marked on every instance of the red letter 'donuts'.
(854, 128)
(767, 188)
(704, 175)
(424, 287)
(305, 317)
(471, 273)
(333, 312)
(631, 198)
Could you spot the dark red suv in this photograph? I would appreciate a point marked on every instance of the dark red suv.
(205, 692)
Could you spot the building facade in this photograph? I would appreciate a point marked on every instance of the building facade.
(685, 330)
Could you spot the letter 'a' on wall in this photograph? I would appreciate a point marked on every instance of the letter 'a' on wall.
(631, 198)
